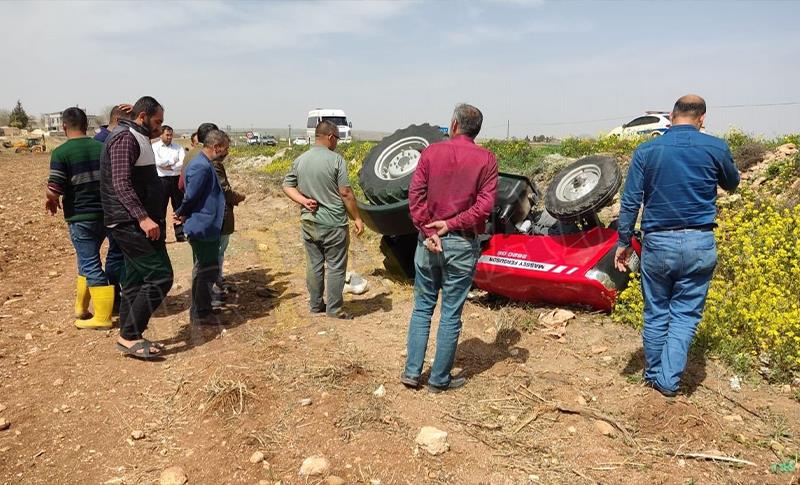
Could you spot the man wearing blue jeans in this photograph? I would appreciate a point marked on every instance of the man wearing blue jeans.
(74, 180)
(675, 178)
(450, 198)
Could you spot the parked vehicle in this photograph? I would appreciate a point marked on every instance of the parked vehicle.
(299, 141)
(29, 144)
(652, 123)
(561, 254)
(256, 138)
(315, 116)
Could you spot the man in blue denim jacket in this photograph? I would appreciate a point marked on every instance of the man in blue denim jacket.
(675, 178)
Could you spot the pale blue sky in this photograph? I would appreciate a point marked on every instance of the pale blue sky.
(545, 66)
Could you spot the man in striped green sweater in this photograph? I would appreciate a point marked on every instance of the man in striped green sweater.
(74, 184)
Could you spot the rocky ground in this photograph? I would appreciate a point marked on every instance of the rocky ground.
(276, 396)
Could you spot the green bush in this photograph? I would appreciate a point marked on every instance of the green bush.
(748, 154)
(614, 145)
(353, 153)
(519, 156)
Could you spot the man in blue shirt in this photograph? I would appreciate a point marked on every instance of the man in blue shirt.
(201, 212)
(117, 112)
(675, 178)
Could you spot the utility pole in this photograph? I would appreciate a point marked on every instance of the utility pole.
(508, 128)
(290, 134)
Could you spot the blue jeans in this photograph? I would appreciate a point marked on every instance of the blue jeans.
(677, 267)
(451, 272)
(87, 237)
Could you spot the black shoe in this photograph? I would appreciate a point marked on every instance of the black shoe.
(180, 238)
(664, 392)
(209, 320)
(410, 382)
(341, 315)
(455, 383)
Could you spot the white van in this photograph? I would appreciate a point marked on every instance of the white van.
(315, 116)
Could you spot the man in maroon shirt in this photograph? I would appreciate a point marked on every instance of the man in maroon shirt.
(451, 196)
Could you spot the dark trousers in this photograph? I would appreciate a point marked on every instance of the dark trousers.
(205, 254)
(146, 281)
(174, 194)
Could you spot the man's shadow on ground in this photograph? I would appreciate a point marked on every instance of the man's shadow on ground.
(694, 375)
(476, 356)
(366, 306)
(257, 292)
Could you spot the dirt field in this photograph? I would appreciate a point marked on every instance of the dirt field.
(73, 402)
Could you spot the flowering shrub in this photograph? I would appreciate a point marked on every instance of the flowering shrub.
(520, 156)
(614, 145)
(753, 310)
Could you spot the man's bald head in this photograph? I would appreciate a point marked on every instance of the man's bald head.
(690, 107)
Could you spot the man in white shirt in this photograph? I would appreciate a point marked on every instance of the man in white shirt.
(169, 160)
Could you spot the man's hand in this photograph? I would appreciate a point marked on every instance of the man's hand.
(310, 204)
(440, 226)
(150, 228)
(433, 244)
(621, 258)
(359, 226)
(125, 108)
(52, 205)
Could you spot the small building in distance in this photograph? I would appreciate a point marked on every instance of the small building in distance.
(52, 122)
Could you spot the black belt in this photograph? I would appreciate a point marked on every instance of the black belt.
(704, 228)
(464, 234)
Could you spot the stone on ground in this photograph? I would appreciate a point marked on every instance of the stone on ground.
(433, 440)
(173, 475)
(314, 465)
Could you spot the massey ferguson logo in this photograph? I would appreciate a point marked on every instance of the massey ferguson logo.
(525, 264)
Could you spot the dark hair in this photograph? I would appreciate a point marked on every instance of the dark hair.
(694, 108)
(166, 128)
(216, 137)
(147, 105)
(203, 131)
(469, 119)
(194, 136)
(116, 113)
(75, 119)
(326, 127)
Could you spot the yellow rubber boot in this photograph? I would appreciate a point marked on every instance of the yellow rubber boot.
(103, 301)
(82, 299)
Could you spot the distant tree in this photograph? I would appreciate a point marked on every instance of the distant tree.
(5, 116)
(18, 118)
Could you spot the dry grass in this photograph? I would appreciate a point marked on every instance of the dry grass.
(336, 374)
(226, 395)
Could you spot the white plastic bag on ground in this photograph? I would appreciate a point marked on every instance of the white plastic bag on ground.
(354, 283)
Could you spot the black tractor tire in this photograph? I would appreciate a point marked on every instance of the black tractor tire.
(398, 252)
(388, 219)
(389, 166)
(583, 187)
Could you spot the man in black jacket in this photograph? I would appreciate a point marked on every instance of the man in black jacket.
(133, 209)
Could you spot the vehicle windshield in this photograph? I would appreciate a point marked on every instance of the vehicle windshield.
(339, 120)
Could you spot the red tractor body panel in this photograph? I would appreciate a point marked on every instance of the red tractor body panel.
(553, 269)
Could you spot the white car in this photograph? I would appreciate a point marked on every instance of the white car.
(652, 123)
(299, 141)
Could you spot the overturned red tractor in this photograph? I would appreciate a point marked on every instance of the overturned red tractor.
(561, 254)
